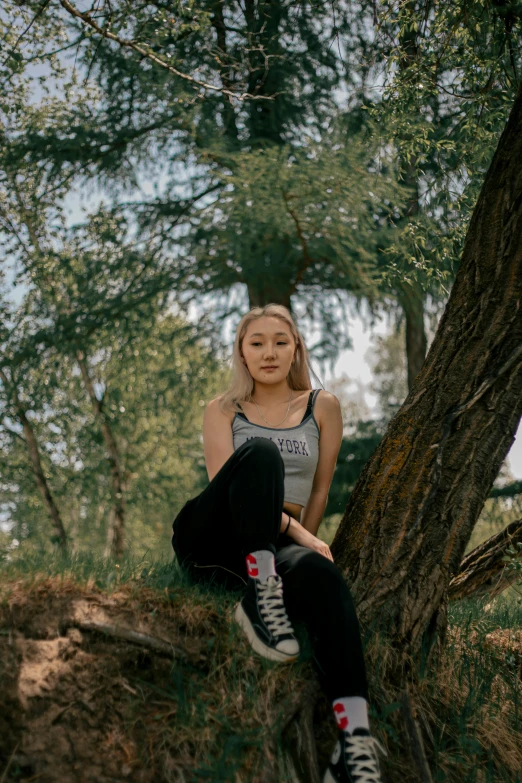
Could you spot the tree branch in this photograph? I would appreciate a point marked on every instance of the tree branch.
(87, 19)
(483, 570)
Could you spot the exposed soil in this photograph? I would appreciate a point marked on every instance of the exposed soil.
(74, 704)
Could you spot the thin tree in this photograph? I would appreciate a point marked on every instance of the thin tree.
(33, 450)
(116, 530)
(411, 295)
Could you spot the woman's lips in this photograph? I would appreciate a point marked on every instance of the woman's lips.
(267, 369)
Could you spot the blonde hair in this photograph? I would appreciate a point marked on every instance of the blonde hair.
(242, 383)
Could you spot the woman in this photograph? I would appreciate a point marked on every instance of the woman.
(271, 445)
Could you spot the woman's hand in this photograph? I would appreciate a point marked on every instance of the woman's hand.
(302, 536)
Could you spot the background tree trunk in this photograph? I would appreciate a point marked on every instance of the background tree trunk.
(410, 517)
(229, 116)
(266, 123)
(259, 295)
(412, 300)
(416, 341)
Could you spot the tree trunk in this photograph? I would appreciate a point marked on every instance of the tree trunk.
(266, 126)
(265, 122)
(260, 295)
(39, 475)
(116, 531)
(483, 570)
(410, 517)
(41, 481)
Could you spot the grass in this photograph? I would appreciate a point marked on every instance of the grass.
(215, 723)
(85, 568)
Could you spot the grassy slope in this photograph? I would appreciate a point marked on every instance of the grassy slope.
(77, 704)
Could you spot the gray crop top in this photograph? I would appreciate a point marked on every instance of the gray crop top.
(299, 447)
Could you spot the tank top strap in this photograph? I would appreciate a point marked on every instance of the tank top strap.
(309, 406)
(242, 414)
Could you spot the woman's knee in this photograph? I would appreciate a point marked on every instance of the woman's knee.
(315, 571)
(261, 451)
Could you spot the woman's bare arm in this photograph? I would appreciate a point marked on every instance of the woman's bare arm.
(217, 438)
(330, 420)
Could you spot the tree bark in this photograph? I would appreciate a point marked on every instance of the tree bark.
(36, 462)
(411, 514)
(116, 532)
(483, 571)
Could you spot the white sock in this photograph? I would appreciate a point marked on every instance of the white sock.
(351, 712)
(261, 564)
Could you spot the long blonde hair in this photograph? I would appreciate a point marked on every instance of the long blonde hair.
(242, 383)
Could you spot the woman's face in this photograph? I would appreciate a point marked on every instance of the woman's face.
(268, 343)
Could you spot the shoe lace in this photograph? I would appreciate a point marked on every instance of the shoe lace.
(362, 757)
(271, 606)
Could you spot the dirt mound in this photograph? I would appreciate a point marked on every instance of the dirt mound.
(76, 694)
(139, 685)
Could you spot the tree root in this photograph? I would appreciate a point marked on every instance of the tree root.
(295, 721)
(128, 635)
(307, 695)
(415, 738)
(302, 747)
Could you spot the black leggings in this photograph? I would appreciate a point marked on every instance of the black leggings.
(240, 512)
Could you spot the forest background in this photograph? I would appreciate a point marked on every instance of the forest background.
(163, 168)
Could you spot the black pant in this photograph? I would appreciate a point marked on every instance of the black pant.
(240, 512)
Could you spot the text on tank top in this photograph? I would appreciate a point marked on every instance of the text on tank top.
(299, 448)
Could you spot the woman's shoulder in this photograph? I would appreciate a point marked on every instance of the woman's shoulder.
(326, 405)
(216, 411)
(326, 397)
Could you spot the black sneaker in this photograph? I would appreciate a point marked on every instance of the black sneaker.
(354, 759)
(262, 615)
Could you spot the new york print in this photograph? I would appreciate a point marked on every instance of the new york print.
(289, 446)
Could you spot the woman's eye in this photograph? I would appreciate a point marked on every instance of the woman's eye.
(279, 343)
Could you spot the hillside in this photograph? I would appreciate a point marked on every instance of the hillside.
(130, 673)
